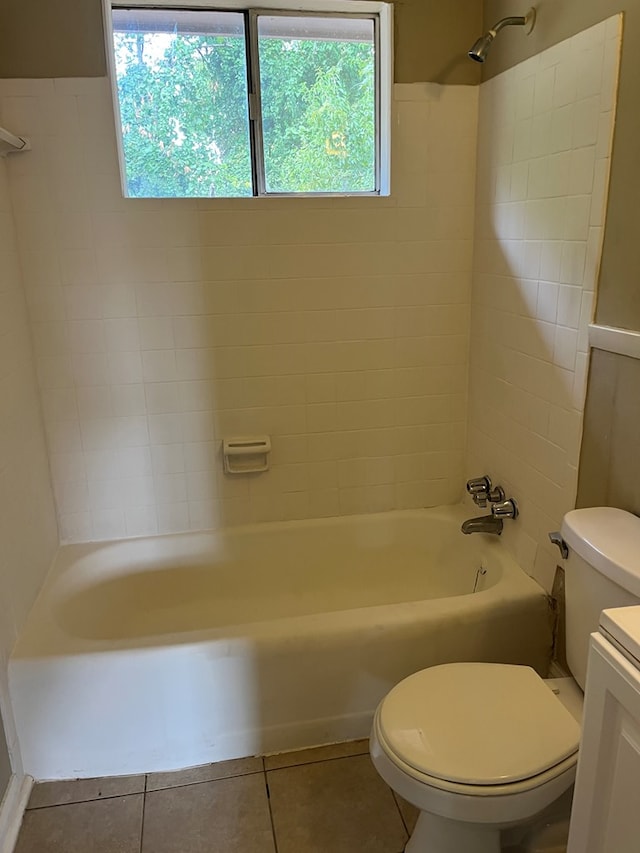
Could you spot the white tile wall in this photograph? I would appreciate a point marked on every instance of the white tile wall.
(338, 326)
(544, 143)
(28, 535)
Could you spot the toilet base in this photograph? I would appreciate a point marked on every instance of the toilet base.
(434, 834)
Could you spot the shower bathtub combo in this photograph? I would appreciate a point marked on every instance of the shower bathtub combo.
(163, 653)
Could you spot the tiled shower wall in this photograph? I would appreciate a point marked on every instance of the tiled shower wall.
(338, 326)
(545, 135)
(27, 521)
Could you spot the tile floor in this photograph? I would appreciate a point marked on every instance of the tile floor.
(324, 800)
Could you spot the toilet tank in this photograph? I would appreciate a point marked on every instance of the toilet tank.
(602, 570)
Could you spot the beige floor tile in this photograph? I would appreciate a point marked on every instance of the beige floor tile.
(318, 753)
(337, 806)
(409, 813)
(204, 773)
(100, 826)
(82, 790)
(226, 816)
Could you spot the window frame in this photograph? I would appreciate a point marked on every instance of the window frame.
(380, 12)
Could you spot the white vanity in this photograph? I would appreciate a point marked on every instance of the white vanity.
(606, 807)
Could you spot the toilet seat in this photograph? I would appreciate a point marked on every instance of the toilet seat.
(477, 728)
(476, 792)
(497, 805)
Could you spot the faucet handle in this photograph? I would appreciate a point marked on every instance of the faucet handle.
(496, 495)
(479, 488)
(505, 509)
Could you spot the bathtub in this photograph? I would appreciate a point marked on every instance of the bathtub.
(163, 653)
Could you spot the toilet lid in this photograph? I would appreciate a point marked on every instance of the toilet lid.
(477, 723)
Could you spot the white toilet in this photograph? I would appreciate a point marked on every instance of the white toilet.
(481, 748)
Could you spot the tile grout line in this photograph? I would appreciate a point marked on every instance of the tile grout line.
(203, 782)
(268, 793)
(316, 761)
(404, 823)
(144, 810)
(80, 802)
(146, 790)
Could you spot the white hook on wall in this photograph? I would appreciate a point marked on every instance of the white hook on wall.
(10, 143)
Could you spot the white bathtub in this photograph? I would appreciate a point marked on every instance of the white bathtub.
(157, 654)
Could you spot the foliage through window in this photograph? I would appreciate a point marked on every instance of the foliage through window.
(242, 103)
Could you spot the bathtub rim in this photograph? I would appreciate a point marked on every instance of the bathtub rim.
(44, 638)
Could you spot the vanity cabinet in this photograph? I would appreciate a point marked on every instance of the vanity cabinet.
(605, 817)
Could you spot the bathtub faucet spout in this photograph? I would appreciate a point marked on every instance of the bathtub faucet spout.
(483, 524)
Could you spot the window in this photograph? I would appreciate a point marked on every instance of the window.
(240, 102)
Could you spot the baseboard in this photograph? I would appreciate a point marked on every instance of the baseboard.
(12, 809)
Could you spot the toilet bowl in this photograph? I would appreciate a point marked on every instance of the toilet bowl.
(478, 748)
(482, 748)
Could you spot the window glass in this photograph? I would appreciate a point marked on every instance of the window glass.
(182, 89)
(318, 102)
(217, 103)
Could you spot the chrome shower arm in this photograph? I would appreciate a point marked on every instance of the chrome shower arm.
(482, 46)
(527, 21)
(513, 21)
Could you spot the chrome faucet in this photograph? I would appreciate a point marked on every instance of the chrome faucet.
(492, 523)
(483, 524)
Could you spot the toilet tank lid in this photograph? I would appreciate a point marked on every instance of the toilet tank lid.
(609, 540)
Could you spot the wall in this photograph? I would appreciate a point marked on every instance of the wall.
(65, 39)
(338, 326)
(42, 39)
(432, 39)
(619, 295)
(610, 458)
(543, 153)
(604, 476)
(27, 523)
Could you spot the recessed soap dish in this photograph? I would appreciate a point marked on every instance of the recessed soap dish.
(246, 454)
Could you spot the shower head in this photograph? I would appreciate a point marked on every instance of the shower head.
(481, 48)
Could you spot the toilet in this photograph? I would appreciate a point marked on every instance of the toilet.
(482, 749)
